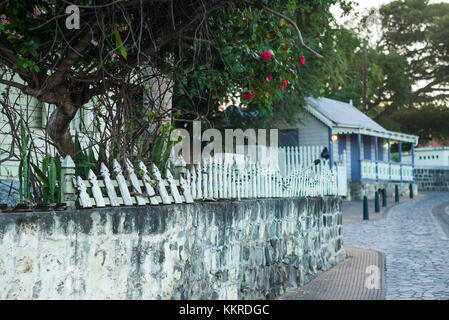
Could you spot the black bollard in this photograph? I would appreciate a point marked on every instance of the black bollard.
(396, 193)
(376, 202)
(410, 186)
(365, 208)
(384, 197)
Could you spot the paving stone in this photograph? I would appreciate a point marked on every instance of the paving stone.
(345, 281)
(416, 248)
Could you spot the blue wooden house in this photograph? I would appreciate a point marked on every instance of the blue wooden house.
(368, 146)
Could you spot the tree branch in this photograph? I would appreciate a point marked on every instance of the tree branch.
(298, 32)
(56, 78)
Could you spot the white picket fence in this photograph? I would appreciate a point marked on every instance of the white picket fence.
(217, 179)
(132, 190)
(291, 158)
(214, 179)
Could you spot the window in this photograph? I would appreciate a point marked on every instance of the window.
(433, 157)
(437, 156)
(288, 138)
(420, 157)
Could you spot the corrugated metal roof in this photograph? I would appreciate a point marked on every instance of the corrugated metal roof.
(342, 114)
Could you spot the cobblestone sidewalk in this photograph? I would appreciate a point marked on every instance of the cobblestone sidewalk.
(348, 280)
(416, 248)
(353, 210)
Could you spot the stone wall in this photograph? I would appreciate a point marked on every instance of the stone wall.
(249, 249)
(9, 193)
(359, 189)
(432, 179)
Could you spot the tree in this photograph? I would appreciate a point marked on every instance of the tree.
(116, 43)
(236, 56)
(429, 122)
(416, 32)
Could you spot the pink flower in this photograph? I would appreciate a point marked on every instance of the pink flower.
(95, 43)
(114, 55)
(302, 60)
(269, 77)
(284, 85)
(247, 95)
(4, 19)
(36, 12)
(265, 56)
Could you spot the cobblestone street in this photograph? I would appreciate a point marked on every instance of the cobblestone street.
(415, 245)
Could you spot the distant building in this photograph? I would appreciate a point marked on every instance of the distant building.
(343, 128)
(429, 157)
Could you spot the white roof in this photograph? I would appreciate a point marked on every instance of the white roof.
(343, 114)
(344, 118)
(429, 149)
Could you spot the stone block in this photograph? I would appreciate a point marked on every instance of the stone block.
(198, 251)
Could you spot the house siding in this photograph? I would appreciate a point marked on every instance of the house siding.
(312, 132)
(367, 148)
(341, 143)
(354, 155)
(335, 152)
(380, 149)
(348, 157)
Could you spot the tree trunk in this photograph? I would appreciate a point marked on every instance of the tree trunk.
(58, 128)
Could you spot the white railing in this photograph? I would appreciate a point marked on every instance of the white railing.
(214, 179)
(395, 172)
(368, 169)
(407, 172)
(386, 171)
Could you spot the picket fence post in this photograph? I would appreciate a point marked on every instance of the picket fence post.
(67, 189)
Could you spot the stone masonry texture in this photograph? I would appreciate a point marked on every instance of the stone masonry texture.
(432, 179)
(368, 188)
(248, 249)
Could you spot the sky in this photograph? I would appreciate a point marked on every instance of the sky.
(362, 5)
(365, 4)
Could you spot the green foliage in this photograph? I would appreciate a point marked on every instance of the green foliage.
(427, 122)
(24, 166)
(233, 66)
(394, 157)
(213, 60)
(387, 83)
(84, 159)
(413, 49)
(48, 177)
(119, 43)
(159, 156)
